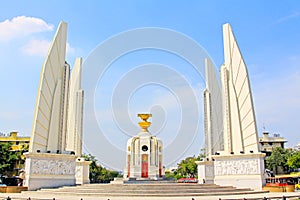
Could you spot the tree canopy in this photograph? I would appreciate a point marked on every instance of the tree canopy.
(8, 158)
(278, 158)
(99, 174)
(294, 160)
(187, 167)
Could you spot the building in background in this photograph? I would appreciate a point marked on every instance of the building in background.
(19, 143)
(267, 143)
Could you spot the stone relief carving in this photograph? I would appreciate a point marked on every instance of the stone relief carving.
(237, 167)
(210, 171)
(53, 167)
(78, 173)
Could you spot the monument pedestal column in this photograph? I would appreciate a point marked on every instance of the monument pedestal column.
(82, 171)
(46, 170)
(242, 170)
(205, 172)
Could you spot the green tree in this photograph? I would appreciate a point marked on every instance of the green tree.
(202, 154)
(278, 158)
(188, 167)
(294, 160)
(95, 169)
(169, 174)
(8, 158)
(99, 174)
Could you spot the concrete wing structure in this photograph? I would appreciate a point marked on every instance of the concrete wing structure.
(240, 164)
(214, 139)
(240, 132)
(75, 111)
(49, 116)
(57, 126)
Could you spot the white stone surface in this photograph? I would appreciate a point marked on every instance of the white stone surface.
(57, 123)
(135, 153)
(82, 171)
(205, 172)
(48, 115)
(240, 162)
(117, 181)
(242, 171)
(49, 170)
(40, 195)
(214, 138)
(75, 108)
(240, 132)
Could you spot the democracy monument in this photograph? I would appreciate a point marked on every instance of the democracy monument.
(232, 158)
(56, 140)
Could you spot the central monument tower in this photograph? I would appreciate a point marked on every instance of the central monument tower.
(144, 153)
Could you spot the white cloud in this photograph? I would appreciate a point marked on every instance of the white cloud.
(70, 50)
(288, 17)
(36, 47)
(40, 48)
(22, 26)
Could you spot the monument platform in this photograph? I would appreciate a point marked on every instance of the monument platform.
(142, 181)
(142, 190)
(149, 181)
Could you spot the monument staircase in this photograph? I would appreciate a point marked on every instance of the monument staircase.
(144, 190)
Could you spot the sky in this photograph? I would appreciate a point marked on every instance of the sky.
(267, 33)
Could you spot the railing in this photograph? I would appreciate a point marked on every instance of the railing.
(296, 197)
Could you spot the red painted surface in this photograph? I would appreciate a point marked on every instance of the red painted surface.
(282, 181)
(128, 166)
(144, 166)
(160, 166)
(159, 170)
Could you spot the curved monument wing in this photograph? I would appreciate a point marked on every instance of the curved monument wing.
(212, 111)
(47, 121)
(240, 128)
(74, 130)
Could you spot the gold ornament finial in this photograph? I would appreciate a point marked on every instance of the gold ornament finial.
(144, 124)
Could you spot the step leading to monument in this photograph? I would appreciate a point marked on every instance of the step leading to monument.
(146, 190)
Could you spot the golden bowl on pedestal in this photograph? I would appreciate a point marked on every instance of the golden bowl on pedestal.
(144, 124)
(144, 117)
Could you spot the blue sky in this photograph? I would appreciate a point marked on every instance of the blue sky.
(267, 33)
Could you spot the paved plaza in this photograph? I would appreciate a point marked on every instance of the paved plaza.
(40, 196)
(147, 191)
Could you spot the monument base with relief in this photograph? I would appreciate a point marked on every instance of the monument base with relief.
(242, 170)
(46, 170)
